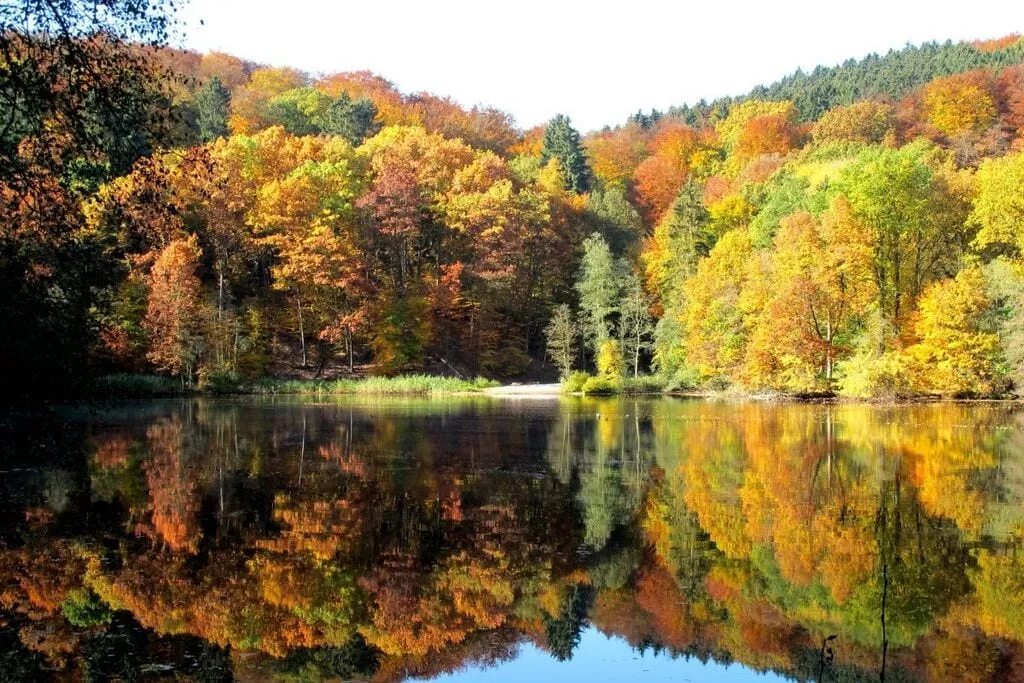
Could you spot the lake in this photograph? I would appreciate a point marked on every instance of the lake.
(494, 539)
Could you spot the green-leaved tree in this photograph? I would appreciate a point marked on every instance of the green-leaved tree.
(599, 286)
(213, 102)
(562, 142)
(635, 322)
(562, 334)
(354, 120)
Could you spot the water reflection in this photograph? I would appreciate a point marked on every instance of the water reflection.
(392, 539)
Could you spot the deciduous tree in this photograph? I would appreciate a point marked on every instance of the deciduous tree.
(599, 285)
(636, 324)
(960, 103)
(999, 206)
(869, 122)
(176, 314)
(957, 350)
(562, 335)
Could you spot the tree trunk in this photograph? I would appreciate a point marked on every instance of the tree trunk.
(636, 357)
(897, 279)
(348, 349)
(220, 314)
(828, 351)
(234, 349)
(302, 333)
(322, 347)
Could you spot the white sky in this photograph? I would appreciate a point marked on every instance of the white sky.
(597, 62)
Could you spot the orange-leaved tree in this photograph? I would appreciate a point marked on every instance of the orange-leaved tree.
(176, 313)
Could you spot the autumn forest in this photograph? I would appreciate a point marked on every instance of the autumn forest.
(851, 230)
(311, 376)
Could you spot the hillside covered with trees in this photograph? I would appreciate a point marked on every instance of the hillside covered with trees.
(850, 230)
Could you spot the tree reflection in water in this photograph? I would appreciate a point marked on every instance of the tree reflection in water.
(390, 539)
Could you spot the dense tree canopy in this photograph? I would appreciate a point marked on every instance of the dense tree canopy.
(337, 222)
(891, 76)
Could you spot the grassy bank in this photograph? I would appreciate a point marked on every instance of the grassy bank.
(403, 385)
(581, 383)
(153, 386)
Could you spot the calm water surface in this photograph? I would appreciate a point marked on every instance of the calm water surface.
(501, 540)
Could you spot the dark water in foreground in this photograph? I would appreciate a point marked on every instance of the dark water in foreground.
(481, 539)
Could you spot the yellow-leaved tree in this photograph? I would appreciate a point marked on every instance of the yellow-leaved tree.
(720, 300)
(999, 206)
(956, 352)
(307, 217)
(609, 360)
(868, 122)
(823, 285)
(960, 103)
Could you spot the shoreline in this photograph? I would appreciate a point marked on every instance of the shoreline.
(128, 387)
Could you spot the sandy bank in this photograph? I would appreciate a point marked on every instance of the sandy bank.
(525, 391)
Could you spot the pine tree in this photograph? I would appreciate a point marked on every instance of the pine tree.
(212, 104)
(617, 220)
(562, 142)
(354, 120)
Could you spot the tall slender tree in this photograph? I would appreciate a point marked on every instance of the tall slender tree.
(213, 102)
(600, 288)
(561, 334)
(175, 315)
(562, 142)
(636, 324)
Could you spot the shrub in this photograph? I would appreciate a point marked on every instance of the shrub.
(404, 385)
(601, 385)
(643, 385)
(575, 381)
(218, 381)
(84, 609)
(684, 379)
(870, 375)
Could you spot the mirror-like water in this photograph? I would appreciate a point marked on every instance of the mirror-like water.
(500, 540)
